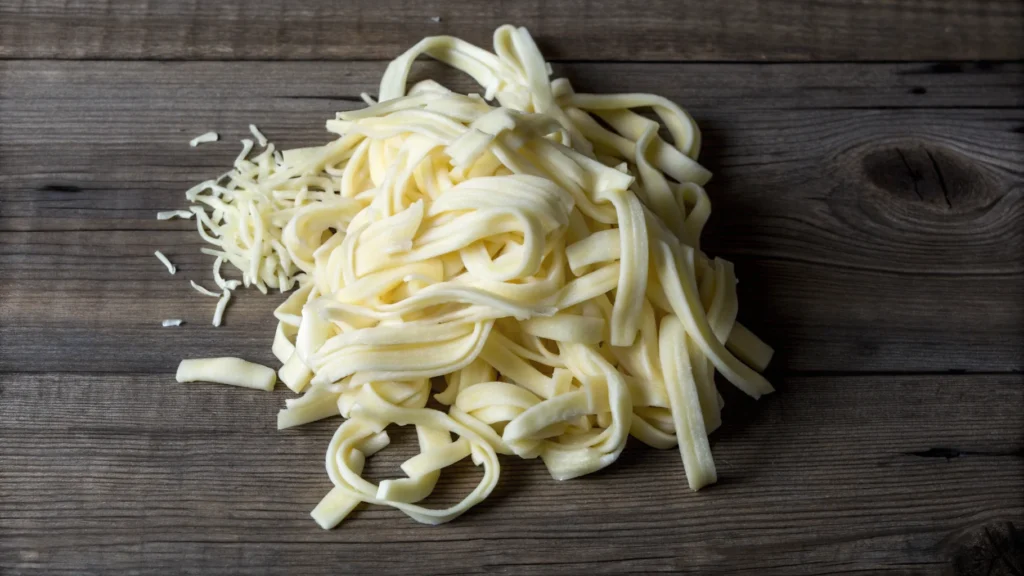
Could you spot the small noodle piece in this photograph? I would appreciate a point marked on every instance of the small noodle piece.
(534, 248)
(232, 371)
(204, 138)
(167, 263)
(172, 322)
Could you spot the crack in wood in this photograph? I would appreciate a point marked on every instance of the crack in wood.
(914, 176)
(942, 180)
(951, 453)
(355, 99)
(68, 188)
(953, 68)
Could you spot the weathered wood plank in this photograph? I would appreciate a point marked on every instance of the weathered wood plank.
(867, 239)
(700, 85)
(115, 472)
(578, 29)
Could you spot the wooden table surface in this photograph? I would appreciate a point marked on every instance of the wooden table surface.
(869, 161)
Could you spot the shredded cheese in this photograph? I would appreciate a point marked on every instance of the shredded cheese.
(202, 290)
(232, 371)
(536, 248)
(167, 263)
(174, 214)
(221, 282)
(203, 139)
(260, 138)
(222, 304)
(241, 161)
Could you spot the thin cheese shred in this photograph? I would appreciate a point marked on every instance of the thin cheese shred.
(260, 138)
(202, 290)
(174, 214)
(167, 263)
(531, 252)
(204, 138)
(222, 304)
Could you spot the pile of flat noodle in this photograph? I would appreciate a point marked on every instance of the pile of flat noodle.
(536, 248)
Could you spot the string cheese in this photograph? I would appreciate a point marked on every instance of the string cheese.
(531, 251)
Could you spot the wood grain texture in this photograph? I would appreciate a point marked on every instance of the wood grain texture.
(726, 30)
(134, 473)
(875, 212)
(875, 228)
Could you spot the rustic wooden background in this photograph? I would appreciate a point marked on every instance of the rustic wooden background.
(869, 161)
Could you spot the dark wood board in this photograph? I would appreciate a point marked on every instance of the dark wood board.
(133, 473)
(875, 211)
(625, 30)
